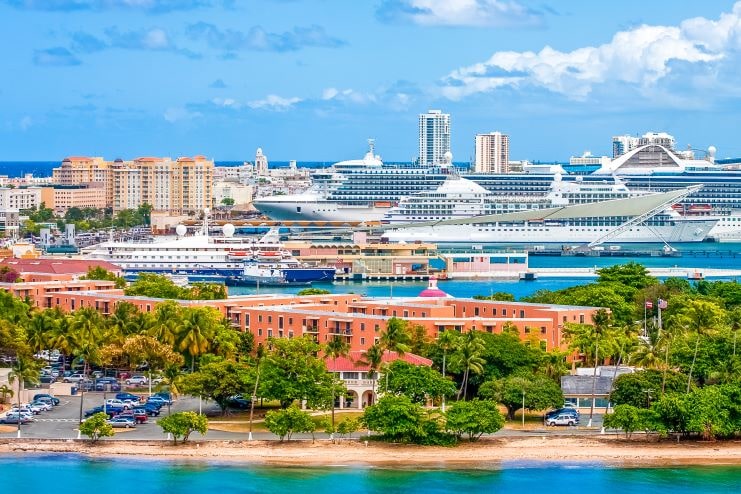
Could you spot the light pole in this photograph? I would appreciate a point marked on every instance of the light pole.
(523, 408)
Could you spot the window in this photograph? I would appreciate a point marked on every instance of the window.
(259, 332)
(362, 326)
(362, 340)
(259, 318)
(376, 328)
(475, 311)
(581, 318)
(522, 314)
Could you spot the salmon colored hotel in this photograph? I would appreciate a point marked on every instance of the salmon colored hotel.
(360, 320)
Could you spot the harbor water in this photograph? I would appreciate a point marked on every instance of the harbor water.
(154, 477)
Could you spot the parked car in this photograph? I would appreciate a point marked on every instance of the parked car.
(564, 418)
(111, 411)
(165, 395)
(157, 400)
(54, 399)
(124, 422)
(127, 396)
(137, 380)
(150, 408)
(117, 403)
(557, 411)
(132, 403)
(74, 378)
(44, 405)
(27, 407)
(138, 415)
(239, 401)
(13, 418)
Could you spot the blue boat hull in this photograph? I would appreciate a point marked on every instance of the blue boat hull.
(309, 275)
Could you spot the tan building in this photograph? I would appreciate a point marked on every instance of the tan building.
(492, 153)
(15, 198)
(242, 194)
(60, 199)
(179, 186)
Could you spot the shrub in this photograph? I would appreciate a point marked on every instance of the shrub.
(182, 424)
(96, 426)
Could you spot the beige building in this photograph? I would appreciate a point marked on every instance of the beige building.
(242, 194)
(179, 186)
(492, 153)
(60, 199)
(15, 198)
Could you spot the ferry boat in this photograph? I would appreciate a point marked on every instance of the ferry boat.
(287, 272)
(360, 190)
(204, 257)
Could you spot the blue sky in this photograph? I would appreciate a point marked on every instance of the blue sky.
(312, 79)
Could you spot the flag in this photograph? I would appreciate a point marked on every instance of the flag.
(662, 304)
(649, 304)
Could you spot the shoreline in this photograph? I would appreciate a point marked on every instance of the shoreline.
(489, 453)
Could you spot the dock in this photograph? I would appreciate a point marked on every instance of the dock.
(675, 272)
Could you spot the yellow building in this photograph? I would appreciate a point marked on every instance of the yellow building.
(179, 186)
(60, 199)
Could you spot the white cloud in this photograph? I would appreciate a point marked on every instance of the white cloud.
(348, 95)
(639, 57)
(178, 113)
(473, 13)
(274, 102)
(25, 123)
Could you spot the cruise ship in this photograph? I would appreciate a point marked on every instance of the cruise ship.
(204, 257)
(459, 198)
(367, 189)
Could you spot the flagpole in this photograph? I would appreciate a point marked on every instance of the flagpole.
(645, 333)
(659, 304)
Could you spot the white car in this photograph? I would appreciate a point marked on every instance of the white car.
(137, 380)
(132, 403)
(44, 406)
(74, 378)
(28, 408)
(117, 403)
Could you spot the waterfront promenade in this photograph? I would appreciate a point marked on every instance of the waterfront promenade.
(659, 272)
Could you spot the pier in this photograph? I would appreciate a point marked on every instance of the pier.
(674, 272)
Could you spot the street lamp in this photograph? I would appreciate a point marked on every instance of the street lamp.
(523, 408)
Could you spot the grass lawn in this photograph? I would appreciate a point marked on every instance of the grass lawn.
(240, 422)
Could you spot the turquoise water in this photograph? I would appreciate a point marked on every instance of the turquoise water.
(79, 475)
(719, 256)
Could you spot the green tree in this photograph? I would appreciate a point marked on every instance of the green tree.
(291, 371)
(373, 358)
(418, 382)
(183, 424)
(227, 201)
(395, 417)
(640, 388)
(702, 318)
(500, 296)
(347, 427)
(630, 419)
(100, 273)
(468, 357)
(96, 426)
(313, 291)
(5, 391)
(335, 348)
(286, 422)
(474, 418)
(197, 329)
(86, 338)
(539, 392)
(144, 211)
(24, 370)
(218, 380)
(630, 274)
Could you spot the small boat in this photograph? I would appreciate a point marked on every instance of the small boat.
(266, 276)
(528, 276)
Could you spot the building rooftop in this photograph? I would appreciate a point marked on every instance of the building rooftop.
(353, 361)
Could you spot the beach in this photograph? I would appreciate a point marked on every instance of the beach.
(488, 452)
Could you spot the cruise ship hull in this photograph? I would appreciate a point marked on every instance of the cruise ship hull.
(683, 231)
(318, 211)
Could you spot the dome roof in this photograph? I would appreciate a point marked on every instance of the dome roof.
(432, 290)
(457, 185)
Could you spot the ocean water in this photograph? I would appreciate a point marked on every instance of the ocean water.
(80, 475)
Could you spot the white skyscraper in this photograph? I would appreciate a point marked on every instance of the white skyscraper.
(492, 153)
(434, 137)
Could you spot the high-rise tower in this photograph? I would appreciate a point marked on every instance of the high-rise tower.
(434, 137)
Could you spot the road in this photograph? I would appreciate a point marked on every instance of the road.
(62, 423)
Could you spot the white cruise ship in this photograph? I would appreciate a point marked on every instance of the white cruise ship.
(365, 190)
(458, 198)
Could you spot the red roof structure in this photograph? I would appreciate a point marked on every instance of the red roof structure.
(57, 266)
(432, 290)
(352, 361)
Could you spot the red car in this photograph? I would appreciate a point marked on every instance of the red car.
(137, 415)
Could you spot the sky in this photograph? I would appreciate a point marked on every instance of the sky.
(313, 79)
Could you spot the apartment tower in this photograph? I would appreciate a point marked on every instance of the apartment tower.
(434, 137)
(492, 153)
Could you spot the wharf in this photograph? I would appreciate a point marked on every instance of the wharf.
(355, 277)
(674, 272)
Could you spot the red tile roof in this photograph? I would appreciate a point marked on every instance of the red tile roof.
(56, 266)
(352, 361)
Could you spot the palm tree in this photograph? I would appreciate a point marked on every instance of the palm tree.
(25, 369)
(373, 358)
(395, 338)
(166, 326)
(336, 347)
(5, 391)
(702, 317)
(38, 331)
(447, 341)
(86, 339)
(734, 322)
(195, 334)
(469, 357)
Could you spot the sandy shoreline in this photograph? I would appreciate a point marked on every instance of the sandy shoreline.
(488, 453)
